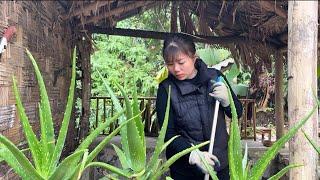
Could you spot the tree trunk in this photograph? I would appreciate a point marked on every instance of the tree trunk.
(84, 47)
(302, 84)
(174, 15)
(279, 95)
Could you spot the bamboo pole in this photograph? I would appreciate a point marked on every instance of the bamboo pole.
(302, 84)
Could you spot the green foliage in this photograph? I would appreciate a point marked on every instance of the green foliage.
(313, 143)
(46, 152)
(238, 167)
(133, 156)
(121, 59)
(212, 56)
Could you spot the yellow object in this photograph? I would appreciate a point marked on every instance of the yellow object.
(162, 75)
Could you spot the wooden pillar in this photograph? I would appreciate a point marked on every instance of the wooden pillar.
(302, 84)
(279, 95)
(84, 48)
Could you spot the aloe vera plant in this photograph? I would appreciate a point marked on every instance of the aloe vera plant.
(46, 150)
(239, 168)
(133, 154)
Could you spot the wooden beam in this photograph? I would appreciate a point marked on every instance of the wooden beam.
(163, 35)
(118, 10)
(302, 85)
(273, 7)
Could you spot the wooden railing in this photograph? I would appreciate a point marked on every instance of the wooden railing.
(104, 108)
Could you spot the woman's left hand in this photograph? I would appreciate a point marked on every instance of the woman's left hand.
(220, 93)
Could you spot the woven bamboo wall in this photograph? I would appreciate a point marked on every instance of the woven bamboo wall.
(41, 31)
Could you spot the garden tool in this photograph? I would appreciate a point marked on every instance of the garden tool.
(8, 33)
(214, 126)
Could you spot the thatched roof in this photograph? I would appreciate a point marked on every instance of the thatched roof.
(257, 29)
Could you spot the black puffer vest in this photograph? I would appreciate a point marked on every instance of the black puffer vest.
(194, 110)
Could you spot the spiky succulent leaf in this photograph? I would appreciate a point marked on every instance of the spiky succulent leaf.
(8, 157)
(261, 165)
(118, 108)
(67, 165)
(66, 117)
(30, 136)
(314, 145)
(284, 171)
(122, 157)
(245, 163)
(174, 158)
(162, 133)
(208, 167)
(110, 168)
(95, 133)
(234, 143)
(136, 149)
(20, 157)
(138, 120)
(45, 106)
(166, 144)
(101, 145)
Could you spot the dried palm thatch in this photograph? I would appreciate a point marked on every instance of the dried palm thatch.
(261, 26)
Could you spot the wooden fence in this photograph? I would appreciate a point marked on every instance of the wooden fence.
(104, 108)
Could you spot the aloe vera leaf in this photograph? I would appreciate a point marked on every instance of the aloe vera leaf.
(20, 157)
(83, 163)
(121, 156)
(137, 152)
(234, 143)
(67, 165)
(66, 117)
(100, 146)
(261, 165)
(284, 171)
(8, 157)
(209, 168)
(30, 136)
(45, 105)
(153, 169)
(162, 133)
(245, 162)
(138, 120)
(175, 157)
(118, 108)
(89, 139)
(314, 145)
(110, 168)
(166, 144)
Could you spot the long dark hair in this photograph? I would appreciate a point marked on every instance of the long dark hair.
(178, 43)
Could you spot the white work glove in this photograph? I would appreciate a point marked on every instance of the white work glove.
(220, 93)
(195, 158)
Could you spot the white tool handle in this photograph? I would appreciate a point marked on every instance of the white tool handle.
(213, 131)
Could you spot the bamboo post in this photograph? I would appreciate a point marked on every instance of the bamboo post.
(279, 96)
(302, 84)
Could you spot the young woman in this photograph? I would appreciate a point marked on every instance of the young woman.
(193, 96)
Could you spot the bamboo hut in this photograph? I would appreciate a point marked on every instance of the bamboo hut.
(256, 33)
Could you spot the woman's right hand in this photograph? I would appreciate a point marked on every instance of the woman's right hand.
(195, 158)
